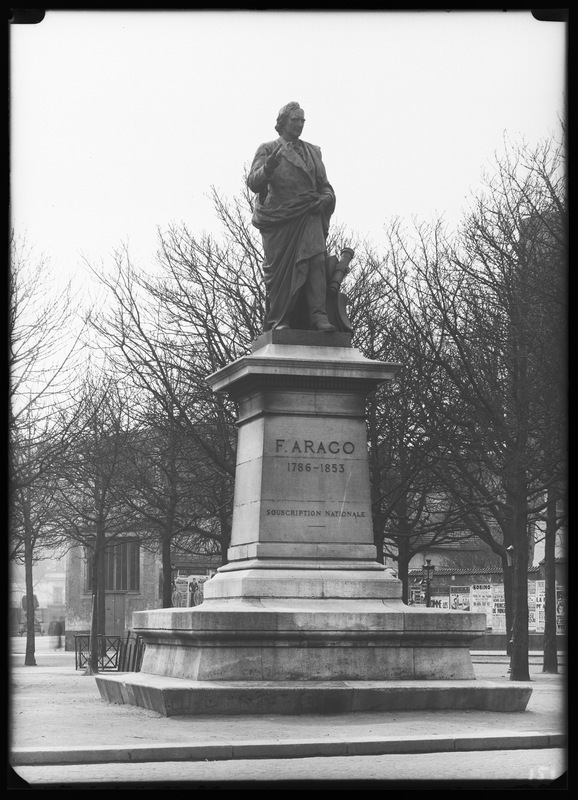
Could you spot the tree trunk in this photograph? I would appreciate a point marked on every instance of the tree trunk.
(101, 604)
(403, 547)
(378, 538)
(550, 663)
(519, 667)
(101, 595)
(92, 661)
(29, 658)
(167, 572)
(224, 542)
(403, 556)
(508, 602)
(375, 480)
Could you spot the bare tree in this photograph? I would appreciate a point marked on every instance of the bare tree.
(93, 482)
(33, 534)
(42, 346)
(158, 355)
(170, 480)
(406, 432)
(468, 303)
(167, 332)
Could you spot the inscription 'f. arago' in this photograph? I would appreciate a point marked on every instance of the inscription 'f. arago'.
(308, 446)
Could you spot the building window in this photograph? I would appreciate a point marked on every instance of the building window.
(121, 567)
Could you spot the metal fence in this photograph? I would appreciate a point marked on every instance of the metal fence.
(115, 653)
(131, 653)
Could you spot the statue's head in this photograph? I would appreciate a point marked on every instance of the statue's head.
(283, 115)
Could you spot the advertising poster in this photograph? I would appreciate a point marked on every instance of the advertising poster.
(416, 595)
(532, 606)
(540, 605)
(481, 601)
(460, 598)
(498, 609)
(440, 601)
(180, 596)
(561, 607)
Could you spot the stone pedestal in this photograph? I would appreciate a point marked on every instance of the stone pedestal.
(302, 604)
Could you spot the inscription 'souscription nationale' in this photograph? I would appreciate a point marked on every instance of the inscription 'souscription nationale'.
(302, 512)
(305, 446)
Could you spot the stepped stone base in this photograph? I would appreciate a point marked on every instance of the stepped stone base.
(302, 618)
(179, 697)
(291, 655)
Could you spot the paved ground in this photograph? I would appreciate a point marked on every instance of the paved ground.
(57, 717)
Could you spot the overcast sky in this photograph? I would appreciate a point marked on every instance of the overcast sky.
(122, 121)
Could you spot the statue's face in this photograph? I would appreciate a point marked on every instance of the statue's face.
(294, 125)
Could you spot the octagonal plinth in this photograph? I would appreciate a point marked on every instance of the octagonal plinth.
(308, 639)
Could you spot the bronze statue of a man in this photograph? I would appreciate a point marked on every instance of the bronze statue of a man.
(293, 205)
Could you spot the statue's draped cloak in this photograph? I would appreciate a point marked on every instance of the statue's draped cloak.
(282, 213)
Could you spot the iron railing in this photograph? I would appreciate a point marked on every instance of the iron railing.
(115, 654)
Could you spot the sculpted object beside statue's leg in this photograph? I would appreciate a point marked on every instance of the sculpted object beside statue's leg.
(315, 292)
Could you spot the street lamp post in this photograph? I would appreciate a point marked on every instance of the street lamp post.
(427, 571)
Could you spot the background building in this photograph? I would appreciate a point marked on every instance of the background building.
(49, 590)
(132, 583)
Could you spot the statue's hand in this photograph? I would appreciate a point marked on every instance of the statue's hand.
(272, 161)
(320, 204)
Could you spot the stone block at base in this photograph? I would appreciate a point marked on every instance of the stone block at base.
(308, 639)
(178, 697)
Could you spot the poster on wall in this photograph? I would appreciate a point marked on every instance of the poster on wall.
(416, 595)
(481, 600)
(498, 609)
(180, 595)
(531, 606)
(561, 607)
(460, 598)
(540, 606)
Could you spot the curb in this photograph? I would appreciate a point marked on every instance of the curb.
(303, 748)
